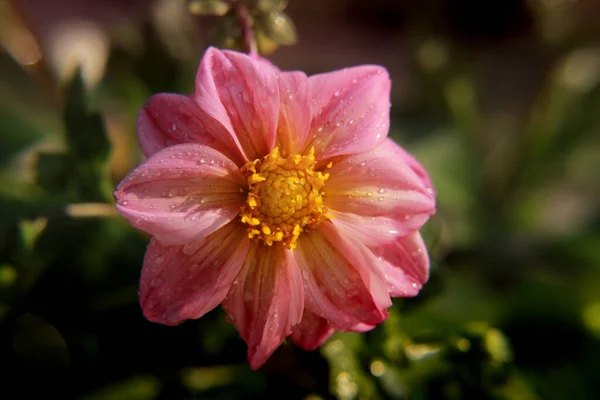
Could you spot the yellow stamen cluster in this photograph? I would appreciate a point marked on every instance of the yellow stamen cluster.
(284, 197)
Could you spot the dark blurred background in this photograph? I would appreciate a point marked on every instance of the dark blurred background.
(499, 99)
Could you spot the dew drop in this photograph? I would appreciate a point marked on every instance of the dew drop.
(382, 191)
(156, 282)
(245, 96)
(305, 274)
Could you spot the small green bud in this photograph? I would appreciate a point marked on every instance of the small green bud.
(278, 27)
(209, 7)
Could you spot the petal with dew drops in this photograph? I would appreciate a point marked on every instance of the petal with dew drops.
(342, 279)
(181, 282)
(266, 300)
(242, 93)
(168, 119)
(350, 109)
(376, 196)
(413, 164)
(312, 331)
(405, 263)
(181, 193)
(294, 113)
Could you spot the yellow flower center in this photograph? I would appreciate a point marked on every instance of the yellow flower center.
(284, 197)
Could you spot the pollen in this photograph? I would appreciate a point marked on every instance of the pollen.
(285, 197)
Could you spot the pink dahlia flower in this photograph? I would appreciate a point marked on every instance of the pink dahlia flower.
(279, 197)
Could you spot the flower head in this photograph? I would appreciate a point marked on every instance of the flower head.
(279, 197)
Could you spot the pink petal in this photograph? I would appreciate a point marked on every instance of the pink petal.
(181, 193)
(376, 196)
(405, 263)
(312, 331)
(187, 281)
(241, 93)
(414, 165)
(294, 112)
(266, 300)
(168, 119)
(362, 328)
(342, 279)
(351, 110)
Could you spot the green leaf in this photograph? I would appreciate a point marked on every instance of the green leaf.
(86, 134)
(53, 171)
(17, 133)
(89, 147)
(139, 387)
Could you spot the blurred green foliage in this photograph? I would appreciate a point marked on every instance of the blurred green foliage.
(512, 309)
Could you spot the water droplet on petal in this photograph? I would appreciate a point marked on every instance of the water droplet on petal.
(245, 96)
(382, 191)
(156, 282)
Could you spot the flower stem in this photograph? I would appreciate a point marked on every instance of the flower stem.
(87, 210)
(243, 19)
